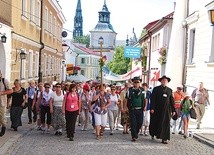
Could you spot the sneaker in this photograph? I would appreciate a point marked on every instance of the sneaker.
(48, 130)
(57, 133)
(198, 126)
(39, 128)
(180, 133)
(146, 134)
(43, 129)
(173, 132)
(111, 133)
(71, 139)
(94, 131)
(60, 133)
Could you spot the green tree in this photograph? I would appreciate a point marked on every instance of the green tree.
(119, 64)
(143, 33)
(83, 40)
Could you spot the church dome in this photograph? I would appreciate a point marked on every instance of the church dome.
(107, 27)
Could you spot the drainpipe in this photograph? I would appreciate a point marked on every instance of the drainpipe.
(150, 50)
(185, 47)
(41, 43)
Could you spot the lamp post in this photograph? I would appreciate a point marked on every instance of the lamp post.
(3, 39)
(100, 41)
(22, 57)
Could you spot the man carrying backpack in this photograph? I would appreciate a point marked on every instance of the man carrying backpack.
(4, 91)
(136, 103)
(31, 90)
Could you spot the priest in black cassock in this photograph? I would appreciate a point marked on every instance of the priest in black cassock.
(162, 109)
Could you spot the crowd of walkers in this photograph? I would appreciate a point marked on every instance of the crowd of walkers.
(157, 112)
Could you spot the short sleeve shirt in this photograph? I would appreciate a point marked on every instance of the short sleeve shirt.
(57, 100)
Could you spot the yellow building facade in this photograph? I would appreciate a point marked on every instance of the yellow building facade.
(36, 31)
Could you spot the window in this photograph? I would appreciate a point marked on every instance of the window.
(82, 60)
(54, 26)
(36, 70)
(83, 72)
(32, 10)
(23, 69)
(46, 18)
(211, 57)
(191, 46)
(51, 23)
(49, 65)
(44, 65)
(30, 64)
(24, 8)
(38, 12)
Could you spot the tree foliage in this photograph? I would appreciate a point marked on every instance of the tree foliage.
(119, 64)
(83, 40)
(143, 33)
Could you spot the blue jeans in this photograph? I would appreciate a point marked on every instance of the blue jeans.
(136, 121)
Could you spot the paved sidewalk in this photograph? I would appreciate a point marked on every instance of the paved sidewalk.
(206, 133)
(11, 137)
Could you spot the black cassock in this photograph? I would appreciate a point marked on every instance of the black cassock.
(162, 103)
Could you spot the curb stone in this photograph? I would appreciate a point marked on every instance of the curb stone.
(202, 139)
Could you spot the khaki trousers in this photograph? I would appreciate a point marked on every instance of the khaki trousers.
(200, 110)
(3, 119)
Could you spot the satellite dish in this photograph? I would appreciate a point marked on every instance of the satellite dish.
(64, 34)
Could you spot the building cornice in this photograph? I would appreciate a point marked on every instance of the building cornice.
(192, 18)
(25, 40)
(210, 6)
(58, 9)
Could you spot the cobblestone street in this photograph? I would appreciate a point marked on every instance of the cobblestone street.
(38, 143)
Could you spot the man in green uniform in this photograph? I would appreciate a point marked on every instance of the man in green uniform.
(136, 103)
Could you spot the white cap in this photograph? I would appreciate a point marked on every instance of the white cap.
(118, 84)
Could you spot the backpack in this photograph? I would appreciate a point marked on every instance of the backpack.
(129, 98)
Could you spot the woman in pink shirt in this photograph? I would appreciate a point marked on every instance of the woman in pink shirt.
(70, 108)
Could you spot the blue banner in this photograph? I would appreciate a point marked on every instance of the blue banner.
(132, 52)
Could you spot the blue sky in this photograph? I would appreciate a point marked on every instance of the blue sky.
(125, 14)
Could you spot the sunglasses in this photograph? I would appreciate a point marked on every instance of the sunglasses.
(58, 86)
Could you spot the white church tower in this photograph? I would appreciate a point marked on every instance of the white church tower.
(105, 30)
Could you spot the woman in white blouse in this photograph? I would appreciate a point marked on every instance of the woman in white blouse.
(58, 120)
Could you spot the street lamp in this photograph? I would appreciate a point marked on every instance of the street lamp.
(3, 39)
(100, 41)
(211, 14)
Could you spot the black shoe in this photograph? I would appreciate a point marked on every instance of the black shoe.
(57, 133)
(111, 133)
(164, 142)
(71, 139)
(34, 120)
(60, 133)
(133, 139)
(2, 131)
(30, 122)
(15, 129)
